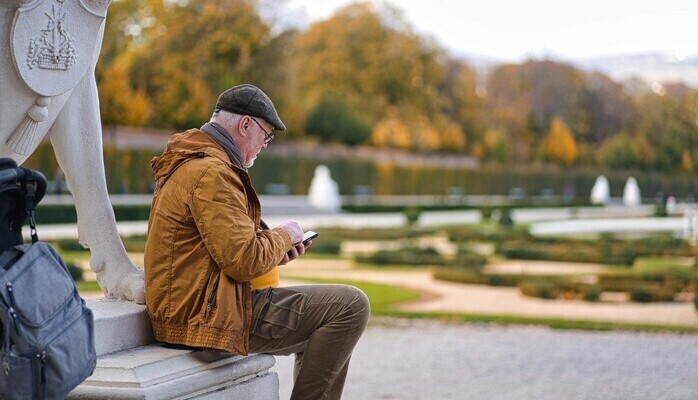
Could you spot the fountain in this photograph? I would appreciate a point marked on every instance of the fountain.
(324, 191)
(631, 193)
(601, 192)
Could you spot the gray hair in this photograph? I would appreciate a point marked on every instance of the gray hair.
(225, 118)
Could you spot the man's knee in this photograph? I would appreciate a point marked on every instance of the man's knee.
(360, 306)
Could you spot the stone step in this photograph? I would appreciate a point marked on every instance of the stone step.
(159, 372)
(119, 325)
(131, 365)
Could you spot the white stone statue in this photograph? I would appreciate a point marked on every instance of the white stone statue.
(671, 206)
(631, 193)
(324, 192)
(48, 52)
(601, 192)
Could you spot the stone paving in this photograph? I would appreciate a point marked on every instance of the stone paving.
(424, 360)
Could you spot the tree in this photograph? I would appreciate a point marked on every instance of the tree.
(333, 120)
(120, 104)
(161, 36)
(372, 64)
(391, 132)
(560, 145)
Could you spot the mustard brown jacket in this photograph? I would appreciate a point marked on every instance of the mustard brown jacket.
(204, 246)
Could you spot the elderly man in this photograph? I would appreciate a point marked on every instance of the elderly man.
(211, 263)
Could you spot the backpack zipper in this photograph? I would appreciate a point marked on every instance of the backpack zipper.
(11, 310)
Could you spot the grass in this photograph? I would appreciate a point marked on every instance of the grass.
(384, 298)
(662, 264)
(74, 254)
(88, 286)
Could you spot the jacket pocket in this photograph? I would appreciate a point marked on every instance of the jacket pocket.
(280, 314)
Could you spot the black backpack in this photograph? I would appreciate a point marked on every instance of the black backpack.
(46, 331)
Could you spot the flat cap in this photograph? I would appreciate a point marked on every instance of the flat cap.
(250, 100)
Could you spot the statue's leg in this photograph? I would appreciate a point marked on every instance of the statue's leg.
(77, 140)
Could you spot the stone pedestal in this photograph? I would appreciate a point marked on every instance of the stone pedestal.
(131, 365)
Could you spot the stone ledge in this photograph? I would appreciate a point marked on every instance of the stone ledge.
(130, 365)
(159, 372)
(119, 325)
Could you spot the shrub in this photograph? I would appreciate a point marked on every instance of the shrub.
(135, 244)
(469, 260)
(645, 294)
(68, 245)
(486, 212)
(333, 119)
(404, 256)
(412, 215)
(503, 280)
(695, 300)
(326, 246)
(567, 250)
(640, 295)
(458, 276)
(65, 213)
(538, 288)
(75, 272)
(479, 235)
(591, 293)
(505, 218)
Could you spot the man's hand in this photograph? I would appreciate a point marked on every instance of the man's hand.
(295, 252)
(294, 230)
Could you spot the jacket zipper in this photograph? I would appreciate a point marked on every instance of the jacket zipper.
(211, 300)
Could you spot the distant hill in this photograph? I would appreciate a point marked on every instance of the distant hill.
(649, 67)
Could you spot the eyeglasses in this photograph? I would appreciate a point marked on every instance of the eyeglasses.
(268, 136)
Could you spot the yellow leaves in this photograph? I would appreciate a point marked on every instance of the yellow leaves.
(411, 130)
(686, 161)
(451, 137)
(391, 132)
(119, 102)
(181, 95)
(560, 145)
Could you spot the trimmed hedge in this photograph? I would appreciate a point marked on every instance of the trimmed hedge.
(75, 272)
(580, 251)
(65, 213)
(646, 294)
(323, 246)
(404, 256)
(373, 233)
(540, 289)
(480, 235)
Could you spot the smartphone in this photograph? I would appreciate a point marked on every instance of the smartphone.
(308, 236)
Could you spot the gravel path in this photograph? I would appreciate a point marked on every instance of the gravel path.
(398, 359)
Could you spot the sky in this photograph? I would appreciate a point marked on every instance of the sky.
(514, 30)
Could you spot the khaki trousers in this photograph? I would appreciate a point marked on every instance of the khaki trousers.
(320, 324)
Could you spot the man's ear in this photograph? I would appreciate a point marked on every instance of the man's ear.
(243, 125)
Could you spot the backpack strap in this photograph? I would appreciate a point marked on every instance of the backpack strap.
(30, 183)
(9, 257)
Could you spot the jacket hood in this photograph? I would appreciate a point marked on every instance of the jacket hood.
(182, 147)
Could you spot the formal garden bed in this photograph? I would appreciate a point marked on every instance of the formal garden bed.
(641, 269)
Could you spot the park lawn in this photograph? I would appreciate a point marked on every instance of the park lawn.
(88, 286)
(385, 298)
(662, 264)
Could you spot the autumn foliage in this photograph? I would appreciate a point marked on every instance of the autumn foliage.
(365, 77)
